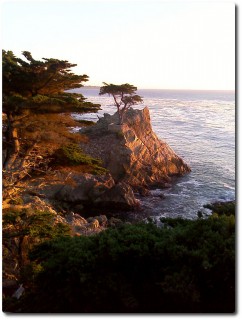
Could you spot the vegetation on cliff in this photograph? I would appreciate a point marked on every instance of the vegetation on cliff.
(36, 127)
(22, 229)
(185, 266)
(71, 154)
(36, 105)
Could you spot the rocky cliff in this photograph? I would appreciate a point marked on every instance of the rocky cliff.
(132, 152)
(136, 159)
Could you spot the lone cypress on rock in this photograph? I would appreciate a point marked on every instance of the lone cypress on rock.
(132, 152)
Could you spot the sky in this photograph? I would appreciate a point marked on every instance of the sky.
(150, 44)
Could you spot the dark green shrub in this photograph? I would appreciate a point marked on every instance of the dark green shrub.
(71, 154)
(23, 228)
(98, 170)
(186, 266)
(221, 208)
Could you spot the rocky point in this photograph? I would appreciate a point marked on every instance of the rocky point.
(132, 152)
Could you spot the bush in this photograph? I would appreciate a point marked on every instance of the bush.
(221, 208)
(24, 228)
(71, 154)
(186, 266)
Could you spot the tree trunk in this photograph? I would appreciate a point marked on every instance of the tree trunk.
(13, 145)
(119, 116)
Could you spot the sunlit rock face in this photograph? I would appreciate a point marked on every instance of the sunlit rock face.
(133, 153)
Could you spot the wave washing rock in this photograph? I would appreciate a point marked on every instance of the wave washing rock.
(132, 151)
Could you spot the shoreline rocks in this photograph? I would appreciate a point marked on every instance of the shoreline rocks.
(101, 192)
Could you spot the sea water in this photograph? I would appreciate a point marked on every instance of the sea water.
(200, 128)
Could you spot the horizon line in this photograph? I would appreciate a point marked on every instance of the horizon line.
(169, 89)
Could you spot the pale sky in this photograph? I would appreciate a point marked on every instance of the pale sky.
(150, 44)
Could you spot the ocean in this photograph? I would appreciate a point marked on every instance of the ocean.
(200, 128)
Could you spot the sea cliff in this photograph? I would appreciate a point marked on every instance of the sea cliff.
(132, 152)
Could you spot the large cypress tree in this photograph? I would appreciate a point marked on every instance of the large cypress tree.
(31, 88)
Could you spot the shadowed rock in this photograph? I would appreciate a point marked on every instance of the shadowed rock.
(98, 192)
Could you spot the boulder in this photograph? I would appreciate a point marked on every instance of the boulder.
(94, 224)
(87, 188)
(120, 196)
(115, 222)
(144, 192)
(98, 192)
(102, 219)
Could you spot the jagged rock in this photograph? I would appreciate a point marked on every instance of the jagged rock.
(80, 226)
(74, 218)
(132, 152)
(114, 222)
(102, 219)
(98, 191)
(79, 218)
(94, 224)
(144, 192)
(120, 196)
(87, 187)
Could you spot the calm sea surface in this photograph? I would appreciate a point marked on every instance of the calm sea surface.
(200, 127)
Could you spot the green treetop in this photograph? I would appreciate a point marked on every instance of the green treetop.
(33, 87)
(32, 84)
(124, 96)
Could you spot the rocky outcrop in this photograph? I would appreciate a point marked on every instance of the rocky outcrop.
(78, 224)
(132, 152)
(135, 158)
(94, 191)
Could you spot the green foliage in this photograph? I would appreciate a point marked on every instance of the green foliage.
(222, 208)
(25, 227)
(113, 89)
(98, 170)
(32, 87)
(33, 223)
(41, 85)
(124, 96)
(186, 266)
(71, 154)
